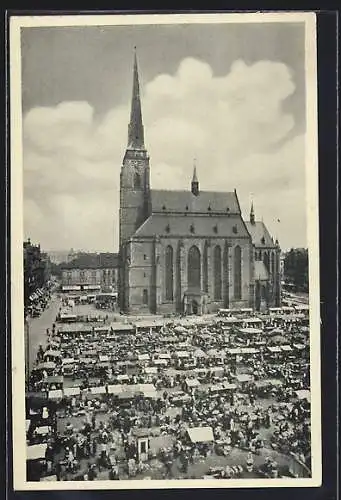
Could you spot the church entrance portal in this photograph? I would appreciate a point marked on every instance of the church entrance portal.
(195, 307)
(194, 303)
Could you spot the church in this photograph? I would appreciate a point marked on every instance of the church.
(190, 251)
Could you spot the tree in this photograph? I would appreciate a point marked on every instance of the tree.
(296, 268)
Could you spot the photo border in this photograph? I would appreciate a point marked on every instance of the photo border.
(16, 253)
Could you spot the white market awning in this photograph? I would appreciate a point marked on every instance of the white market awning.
(115, 389)
(201, 434)
(36, 451)
(303, 394)
(192, 382)
(72, 391)
(98, 390)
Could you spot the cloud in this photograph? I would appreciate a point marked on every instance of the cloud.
(235, 126)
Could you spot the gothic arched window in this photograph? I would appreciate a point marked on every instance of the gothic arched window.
(137, 181)
(226, 275)
(217, 273)
(194, 272)
(237, 273)
(273, 257)
(266, 261)
(205, 268)
(169, 273)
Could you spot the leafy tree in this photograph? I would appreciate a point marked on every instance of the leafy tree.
(296, 268)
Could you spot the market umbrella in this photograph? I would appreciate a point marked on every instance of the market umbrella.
(277, 339)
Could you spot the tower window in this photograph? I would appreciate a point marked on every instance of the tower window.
(235, 229)
(263, 240)
(137, 181)
(145, 257)
(186, 207)
(168, 228)
(215, 229)
(227, 209)
(145, 297)
(163, 207)
(192, 228)
(209, 208)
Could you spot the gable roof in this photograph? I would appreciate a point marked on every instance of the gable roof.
(93, 261)
(185, 201)
(193, 225)
(258, 231)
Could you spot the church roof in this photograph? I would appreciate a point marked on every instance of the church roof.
(193, 225)
(184, 201)
(261, 272)
(260, 235)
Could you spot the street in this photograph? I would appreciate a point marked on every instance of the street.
(38, 326)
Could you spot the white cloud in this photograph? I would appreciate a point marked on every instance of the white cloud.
(232, 124)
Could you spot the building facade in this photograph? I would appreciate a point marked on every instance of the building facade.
(91, 272)
(36, 270)
(187, 251)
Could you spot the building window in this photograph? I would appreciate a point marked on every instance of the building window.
(237, 273)
(82, 276)
(137, 181)
(215, 229)
(169, 273)
(192, 228)
(69, 278)
(194, 271)
(145, 257)
(217, 273)
(145, 297)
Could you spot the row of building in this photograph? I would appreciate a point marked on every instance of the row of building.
(37, 270)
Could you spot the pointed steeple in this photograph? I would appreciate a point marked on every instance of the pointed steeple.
(252, 214)
(195, 182)
(135, 127)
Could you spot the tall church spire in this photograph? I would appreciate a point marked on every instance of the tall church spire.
(252, 214)
(195, 182)
(135, 127)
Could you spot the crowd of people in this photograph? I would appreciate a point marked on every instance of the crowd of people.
(221, 396)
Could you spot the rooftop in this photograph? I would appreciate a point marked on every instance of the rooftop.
(184, 201)
(260, 235)
(193, 224)
(93, 261)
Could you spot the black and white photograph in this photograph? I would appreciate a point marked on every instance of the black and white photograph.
(164, 244)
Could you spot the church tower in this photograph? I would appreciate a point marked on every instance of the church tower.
(135, 175)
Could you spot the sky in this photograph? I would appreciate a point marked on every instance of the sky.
(232, 96)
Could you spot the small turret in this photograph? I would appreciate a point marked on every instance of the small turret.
(252, 214)
(195, 182)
